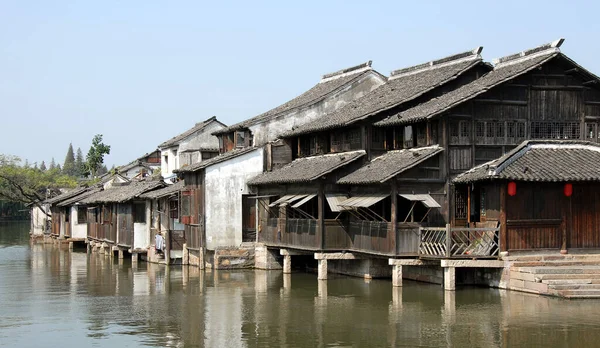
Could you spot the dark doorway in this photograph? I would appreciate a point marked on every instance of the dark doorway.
(248, 219)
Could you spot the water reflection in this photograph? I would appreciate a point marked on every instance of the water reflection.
(72, 298)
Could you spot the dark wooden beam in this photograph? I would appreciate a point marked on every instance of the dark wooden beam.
(571, 71)
(591, 82)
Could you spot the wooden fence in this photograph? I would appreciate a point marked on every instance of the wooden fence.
(459, 242)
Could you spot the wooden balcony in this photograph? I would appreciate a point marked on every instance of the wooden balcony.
(371, 237)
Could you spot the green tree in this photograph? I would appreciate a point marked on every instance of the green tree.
(42, 166)
(29, 185)
(79, 163)
(69, 164)
(52, 164)
(95, 156)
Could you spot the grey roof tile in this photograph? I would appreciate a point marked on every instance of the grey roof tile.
(307, 168)
(404, 85)
(123, 193)
(66, 195)
(163, 192)
(221, 158)
(390, 164)
(329, 84)
(199, 126)
(78, 198)
(541, 160)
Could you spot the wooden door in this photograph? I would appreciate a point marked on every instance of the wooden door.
(125, 224)
(248, 219)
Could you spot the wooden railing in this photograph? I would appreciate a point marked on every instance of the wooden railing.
(447, 242)
(372, 236)
(364, 236)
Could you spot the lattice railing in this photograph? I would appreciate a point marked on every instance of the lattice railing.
(463, 242)
(433, 241)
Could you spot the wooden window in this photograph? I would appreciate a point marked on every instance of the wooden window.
(591, 131)
(354, 139)
(521, 130)
(174, 209)
(480, 132)
(139, 212)
(240, 139)
(186, 203)
(460, 132)
(421, 130)
(434, 126)
(67, 215)
(555, 130)
(336, 141)
(398, 137)
(510, 130)
(482, 205)
(460, 203)
(106, 214)
(81, 215)
(499, 131)
(377, 138)
(408, 137)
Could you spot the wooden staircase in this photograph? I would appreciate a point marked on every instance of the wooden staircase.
(568, 276)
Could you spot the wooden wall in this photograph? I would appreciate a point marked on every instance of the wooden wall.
(194, 231)
(552, 102)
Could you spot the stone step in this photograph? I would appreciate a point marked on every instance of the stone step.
(558, 270)
(561, 282)
(574, 287)
(579, 293)
(581, 296)
(542, 277)
(530, 258)
(555, 263)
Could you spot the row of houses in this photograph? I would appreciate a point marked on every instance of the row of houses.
(452, 158)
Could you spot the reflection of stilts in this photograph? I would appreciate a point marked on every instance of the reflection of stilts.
(287, 283)
(321, 311)
(449, 311)
(394, 310)
(260, 282)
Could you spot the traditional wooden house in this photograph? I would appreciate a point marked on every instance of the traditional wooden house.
(77, 213)
(363, 209)
(535, 94)
(117, 217)
(227, 213)
(165, 206)
(141, 167)
(544, 194)
(61, 217)
(192, 146)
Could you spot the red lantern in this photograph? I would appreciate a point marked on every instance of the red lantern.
(512, 188)
(568, 190)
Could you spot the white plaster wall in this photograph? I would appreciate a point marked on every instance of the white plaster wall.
(225, 184)
(77, 230)
(202, 139)
(167, 167)
(140, 235)
(38, 220)
(271, 130)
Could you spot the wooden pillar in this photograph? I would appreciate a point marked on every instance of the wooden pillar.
(566, 224)
(449, 278)
(503, 230)
(321, 217)
(394, 216)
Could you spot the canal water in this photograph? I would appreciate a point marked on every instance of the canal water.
(50, 297)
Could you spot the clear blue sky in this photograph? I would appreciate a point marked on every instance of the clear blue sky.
(140, 72)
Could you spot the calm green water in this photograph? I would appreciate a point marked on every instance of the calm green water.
(50, 297)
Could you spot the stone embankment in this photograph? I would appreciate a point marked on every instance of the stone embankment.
(568, 276)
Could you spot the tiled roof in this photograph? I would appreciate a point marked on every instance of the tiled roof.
(404, 85)
(221, 158)
(79, 197)
(390, 164)
(123, 193)
(163, 192)
(541, 160)
(307, 168)
(329, 84)
(199, 126)
(66, 195)
(507, 68)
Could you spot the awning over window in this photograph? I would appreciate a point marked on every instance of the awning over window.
(303, 200)
(364, 201)
(287, 199)
(426, 199)
(334, 200)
